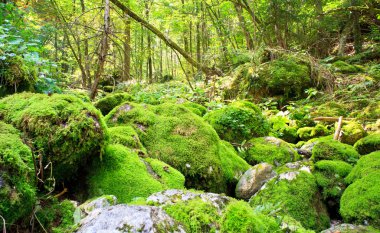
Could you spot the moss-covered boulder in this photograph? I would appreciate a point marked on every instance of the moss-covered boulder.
(330, 178)
(17, 176)
(352, 132)
(195, 108)
(360, 202)
(366, 165)
(368, 144)
(294, 194)
(345, 68)
(126, 136)
(270, 150)
(61, 128)
(123, 174)
(173, 134)
(110, 101)
(307, 133)
(238, 121)
(329, 149)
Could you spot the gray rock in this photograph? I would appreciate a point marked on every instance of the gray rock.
(253, 180)
(173, 196)
(308, 147)
(98, 203)
(346, 228)
(125, 218)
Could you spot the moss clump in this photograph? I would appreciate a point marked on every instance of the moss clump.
(110, 101)
(62, 128)
(195, 108)
(270, 150)
(368, 144)
(126, 136)
(17, 191)
(169, 177)
(308, 133)
(328, 149)
(352, 132)
(173, 134)
(238, 121)
(361, 201)
(123, 174)
(238, 216)
(366, 165)
(345, 68)
(330, 109)
(297, 197)
(55, 216)
(372, 111)
(195, 215)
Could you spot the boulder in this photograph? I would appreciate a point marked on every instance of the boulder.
(110, 101)
(349, 228)
(352, 132)
(368, 144)
(253, 180)
(367, 164)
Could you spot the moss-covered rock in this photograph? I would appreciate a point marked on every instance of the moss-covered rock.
(17, 177)
(366, 165)
(238, 216)
(195, 108)
(173, 134)
(352, 132)
(110, 101)
(328, 149)
(350, 228)
(307, 133)
(294, 194)
(238, 121)
(123, 174)
(345, 68)
(168, 176)
(360, 202)
(330, 109)
(270, 150)
(368, 144)
(126, 136)
(63, 129)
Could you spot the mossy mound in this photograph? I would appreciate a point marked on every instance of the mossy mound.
(173, 134)
(368, 144)
(328, 149)
(294, 194)
(62, 128)
(360, 202)
(330, 109)
(55, 216)
(367, 164)
(345, 68)
(307, 133)
(238, 121)
(270, 150)
(126, 136)
(123, 174)
(110, 101)
(195, 108)
(17, 177)
(330, 178)
(168, 176)
(352, 132)
(238, 216)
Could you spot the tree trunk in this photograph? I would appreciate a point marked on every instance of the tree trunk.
(243, 26)
(127, 49)
(103, 50)
(168, 41)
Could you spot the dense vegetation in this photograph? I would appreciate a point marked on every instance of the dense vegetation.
(190, 116)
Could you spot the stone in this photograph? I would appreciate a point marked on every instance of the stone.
(253, 180)
(346, 228)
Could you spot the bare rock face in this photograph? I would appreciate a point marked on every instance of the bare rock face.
(253, 180)
(125, 218)
(347, 228)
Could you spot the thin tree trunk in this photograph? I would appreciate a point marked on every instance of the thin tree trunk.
(244, 27)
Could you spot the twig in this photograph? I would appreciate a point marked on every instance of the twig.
(4, 228)
(61, 193)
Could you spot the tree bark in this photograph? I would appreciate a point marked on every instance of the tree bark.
(127, 49)
(243, 26)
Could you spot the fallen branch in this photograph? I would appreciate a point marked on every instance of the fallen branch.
(65, 190)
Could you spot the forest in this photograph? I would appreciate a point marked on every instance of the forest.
(252, 116)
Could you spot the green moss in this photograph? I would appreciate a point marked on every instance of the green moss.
(345, 68)
(195, 215)
(361, 201)
(367, 164)
(238, 216)
(330, 109)
(55, 216)
(327, 149)
(110, 101)
(169, 177)
(372, 111)
(62, 128)
(308, 133)
(368, 144)
(178, 137)
(238, 121)
(17, 191)
(121, 173)
(289, 224)
(195, 108)
(352, 132)
(297, 198)
(126, 136)
(374, 71)
(79, 93)
(270, 150)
